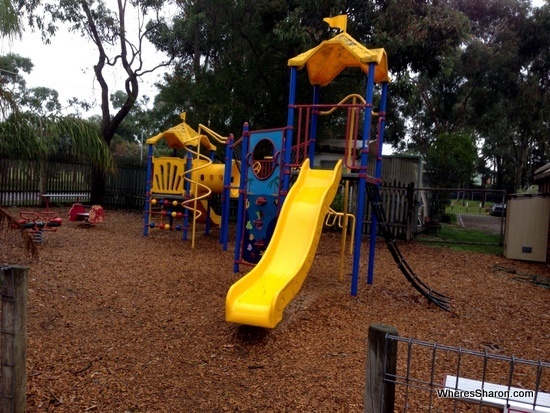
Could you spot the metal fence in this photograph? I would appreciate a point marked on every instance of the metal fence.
(472, 210)
(408, 375)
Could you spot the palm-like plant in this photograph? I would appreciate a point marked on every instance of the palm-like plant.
(27, 136)
(10, 24)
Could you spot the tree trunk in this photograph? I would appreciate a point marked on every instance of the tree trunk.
(98, 186)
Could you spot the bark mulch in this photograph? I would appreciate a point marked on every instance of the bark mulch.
(118, 322)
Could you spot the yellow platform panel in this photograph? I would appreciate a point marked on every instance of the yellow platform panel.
(260, 296)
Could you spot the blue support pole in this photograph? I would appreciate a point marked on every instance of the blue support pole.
(314, 119)
(377, 174)
(288, 134)
(362, 181)
(208, 203)
(149, 172)
(226, 194)
(187, 188)
(242, 198)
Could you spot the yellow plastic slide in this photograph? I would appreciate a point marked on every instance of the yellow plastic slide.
(260, 297)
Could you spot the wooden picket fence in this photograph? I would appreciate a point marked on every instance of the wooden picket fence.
(398, 204)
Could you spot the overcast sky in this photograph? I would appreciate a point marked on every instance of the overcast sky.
(66, 66)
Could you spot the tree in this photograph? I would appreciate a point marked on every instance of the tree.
(231, 63)
(450, 163)
(42, 100)
(422, 39)
(129, 141)
(31, 126)
(109, 32)
(10, 25)
(451, 160)
(506, 72)
(12, 82)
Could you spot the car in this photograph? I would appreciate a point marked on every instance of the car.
(498, 210)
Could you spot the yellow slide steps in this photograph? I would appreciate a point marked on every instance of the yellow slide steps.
(260, 296)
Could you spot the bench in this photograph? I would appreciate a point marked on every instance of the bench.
(509, 399)
(47, 197)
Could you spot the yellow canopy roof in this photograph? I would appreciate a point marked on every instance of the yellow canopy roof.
(329, 58)
(180, 136)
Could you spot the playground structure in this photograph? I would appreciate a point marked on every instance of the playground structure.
(286, 249)
(279, 224)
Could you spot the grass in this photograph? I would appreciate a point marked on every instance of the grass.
(463, 239)
(472, 208)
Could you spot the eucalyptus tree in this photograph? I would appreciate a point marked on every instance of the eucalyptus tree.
(231, 63)
(422, 39)
(12, 82)
(117, 36)
(10, 24)
(507, 74)
(31, 127)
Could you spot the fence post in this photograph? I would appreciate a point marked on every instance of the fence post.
(13, 387)
(381, 359)
(411, 211)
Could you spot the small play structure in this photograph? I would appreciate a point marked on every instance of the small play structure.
(179, 189)
(283, 202)
(89, 215)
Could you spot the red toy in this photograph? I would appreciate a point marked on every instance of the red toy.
(90, 215)
(36, 223)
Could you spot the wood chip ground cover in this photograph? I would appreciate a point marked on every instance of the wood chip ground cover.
(118, 322)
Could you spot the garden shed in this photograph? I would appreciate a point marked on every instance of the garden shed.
(528, 222)
(396, 169)
(542, 179)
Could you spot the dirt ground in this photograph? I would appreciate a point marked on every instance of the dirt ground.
(118, 322)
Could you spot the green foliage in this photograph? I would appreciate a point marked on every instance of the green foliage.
(33, 137)
(464, 239)
(458, 67)
(232, 60)
(10, 25)
(450, 163)
(338, 202)
(41, 100)
(451, 160)
(12, 83)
